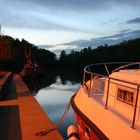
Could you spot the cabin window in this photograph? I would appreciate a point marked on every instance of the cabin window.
(125, 96)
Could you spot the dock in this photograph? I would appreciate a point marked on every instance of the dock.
(21, 116)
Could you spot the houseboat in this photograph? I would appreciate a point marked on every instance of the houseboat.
(107, 106)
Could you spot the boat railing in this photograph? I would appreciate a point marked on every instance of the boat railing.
(89, 72)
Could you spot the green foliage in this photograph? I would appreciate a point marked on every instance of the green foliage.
(44, 58)
(127, 51)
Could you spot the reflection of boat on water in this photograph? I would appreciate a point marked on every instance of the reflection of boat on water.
(31, 73)
(30, 69)
(107, 107)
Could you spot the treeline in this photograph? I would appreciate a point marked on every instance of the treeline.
(13, 54)
(127, 51)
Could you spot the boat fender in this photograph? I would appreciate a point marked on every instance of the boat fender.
(72, 133)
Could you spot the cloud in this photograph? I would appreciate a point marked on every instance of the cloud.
(61, 47)
(49, 14)
(47, 47)
(77, 45)
(77, 5)
(34, 15)
(58, 48)
(82, 18)
(134, 21)
(31, 20)
(112, 39)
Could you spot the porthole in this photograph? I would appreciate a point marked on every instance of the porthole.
(87, 132)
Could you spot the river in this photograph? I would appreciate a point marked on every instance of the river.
(54, 99)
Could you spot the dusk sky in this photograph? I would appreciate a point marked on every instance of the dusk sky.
(70, 22)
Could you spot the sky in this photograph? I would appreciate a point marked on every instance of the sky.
(70, 24)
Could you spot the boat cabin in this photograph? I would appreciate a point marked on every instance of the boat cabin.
(108, 107)
(123, 93)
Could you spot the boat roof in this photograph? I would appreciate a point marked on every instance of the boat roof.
(127, 75)
(131, 71)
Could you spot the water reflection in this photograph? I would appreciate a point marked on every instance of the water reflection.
(54, 100)
(74, 76)
(37, 82)
(53, 91)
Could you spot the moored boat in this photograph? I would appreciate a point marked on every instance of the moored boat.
(108, 106)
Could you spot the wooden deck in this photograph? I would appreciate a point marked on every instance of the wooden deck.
(21, 116)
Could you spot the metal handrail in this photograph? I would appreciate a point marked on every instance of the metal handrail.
(110, 63)
(131, 64)
(87, 70)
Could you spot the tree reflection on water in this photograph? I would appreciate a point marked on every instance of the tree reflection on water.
(37, 82)
(74, 76)
(55, 98)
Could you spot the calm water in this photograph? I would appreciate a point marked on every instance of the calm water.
(55, 98)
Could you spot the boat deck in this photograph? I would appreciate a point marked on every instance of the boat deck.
(21, 116)
(99, 99)
(105, 119)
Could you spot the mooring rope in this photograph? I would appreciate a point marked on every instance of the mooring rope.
(58, 123)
